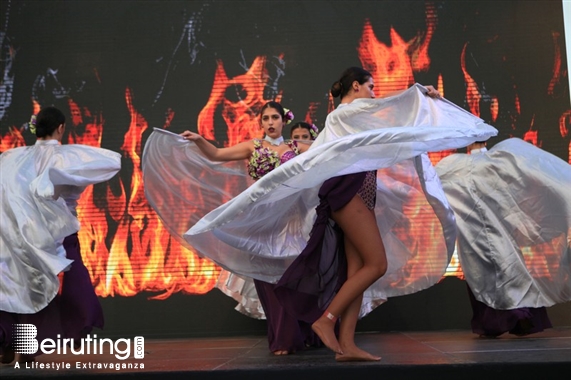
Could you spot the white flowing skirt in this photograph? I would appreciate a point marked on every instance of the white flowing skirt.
(260, 229)
(513, 210)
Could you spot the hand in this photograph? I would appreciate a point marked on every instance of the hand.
(432, 92)
(190, 136)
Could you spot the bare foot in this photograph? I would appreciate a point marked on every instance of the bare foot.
(355, 354)
(324, 328)
(281, 352)
(488, 336)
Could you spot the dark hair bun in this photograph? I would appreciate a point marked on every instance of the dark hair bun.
(336, 89)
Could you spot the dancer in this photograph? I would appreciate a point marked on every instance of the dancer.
(390, 136)
(264, 155)
(514, 217)
(349, 201)
(40, 186)
(304, 131)
(285, 334)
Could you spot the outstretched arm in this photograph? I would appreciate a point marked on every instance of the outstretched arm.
(237, 152)
(430, 91)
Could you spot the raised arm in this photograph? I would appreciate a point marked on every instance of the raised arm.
(430, 91)
(237, 152)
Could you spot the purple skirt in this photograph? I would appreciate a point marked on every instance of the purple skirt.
(72, 313)
(285, 332)
(492, 322)
(309, 284)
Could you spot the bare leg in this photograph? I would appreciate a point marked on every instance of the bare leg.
(349, 318)
(368, 247)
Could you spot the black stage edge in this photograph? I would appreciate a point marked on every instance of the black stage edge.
(444, 306)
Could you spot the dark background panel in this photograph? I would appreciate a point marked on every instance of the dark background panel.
(444, 306)
(165, 54)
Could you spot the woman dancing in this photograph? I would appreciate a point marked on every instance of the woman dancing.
(309, 203)
(285, 334)
(514, 219)
(349, 201)
(40, 186)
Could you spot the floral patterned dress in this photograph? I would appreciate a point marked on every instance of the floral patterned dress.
(263, 160)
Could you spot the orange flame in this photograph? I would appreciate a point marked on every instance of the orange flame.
(157, 262)
(495, 108)
(12, 139)
(564, 122)
(556, 65)
(392, 70)
(241, 116)
(391, 67)
(142, 256)
(473, 96)
(531, 135)
(440, 86)
(310, 114)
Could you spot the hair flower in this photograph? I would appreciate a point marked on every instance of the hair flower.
(288, 115)
(313, 131)
(32, 124)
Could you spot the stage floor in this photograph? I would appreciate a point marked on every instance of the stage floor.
(405, 355)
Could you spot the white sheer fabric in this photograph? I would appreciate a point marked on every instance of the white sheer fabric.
(513, 210)
(243, 290)
(39, 188)
(259, 232)
(182, 185)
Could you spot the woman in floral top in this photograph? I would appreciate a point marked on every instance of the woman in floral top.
(264, 154)
(285, 334)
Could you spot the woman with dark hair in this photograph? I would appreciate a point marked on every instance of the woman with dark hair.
(346, 200)
(342, 227)
(303, 131)
(285, 333)
(263, 154)
(40, 186)
(362, 242)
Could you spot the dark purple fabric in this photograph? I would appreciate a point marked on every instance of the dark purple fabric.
(284, 331)
(81, 308)
(309, 284)
(492, 322)
(73, 313)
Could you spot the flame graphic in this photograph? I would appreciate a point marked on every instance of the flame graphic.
(473, 95)
(125, 247)
(241, 116)
(156, 262)
(556, 77)
(393, 69)
(564, 123)
(142, 255)
(12, 139)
